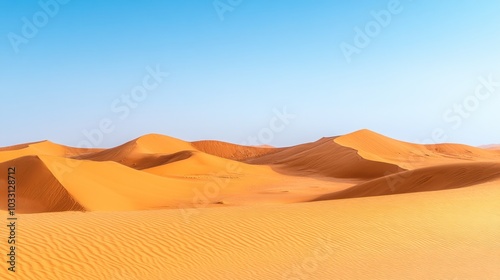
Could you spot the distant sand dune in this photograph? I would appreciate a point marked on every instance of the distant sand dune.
(326, 158)
(377, 147)
(491, 147)
(232, 151)
(42, 148)
(141, 152)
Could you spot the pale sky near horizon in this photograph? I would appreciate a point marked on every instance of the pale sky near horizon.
(417, 69)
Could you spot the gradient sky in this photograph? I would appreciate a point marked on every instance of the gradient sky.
(227, 77)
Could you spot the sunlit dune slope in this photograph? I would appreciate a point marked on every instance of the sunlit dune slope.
(236, 183)
(377, 147)
(144, 152)
(197, 163)
(112, 186)
(49, 184)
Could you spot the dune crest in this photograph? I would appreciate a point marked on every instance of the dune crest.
(326, 158)
(42, 148)
(378, 147)
(157, 171)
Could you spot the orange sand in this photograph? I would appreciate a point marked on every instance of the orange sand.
(357, 206)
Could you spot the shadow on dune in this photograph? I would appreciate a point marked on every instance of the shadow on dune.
(325, 158)
(433, 178)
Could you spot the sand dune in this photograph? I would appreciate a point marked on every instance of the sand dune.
(18, 147)
(156, 171)
(52, 184)
(377, 147)
(38, 190)
(49, 148)
(326, 158)
(356, 206)
(433, 178)
(49, 184)
(41, 148)
(232, 151)
(143, 152)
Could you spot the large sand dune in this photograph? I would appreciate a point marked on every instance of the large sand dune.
(326, 158)
(356, 206)
(38, 190)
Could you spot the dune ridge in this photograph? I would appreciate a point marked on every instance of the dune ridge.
(156, 171)
(374, 146)
(42, 148)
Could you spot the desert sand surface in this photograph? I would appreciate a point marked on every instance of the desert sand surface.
(355, 206)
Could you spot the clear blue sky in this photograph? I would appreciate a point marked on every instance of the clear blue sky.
(227, 76)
